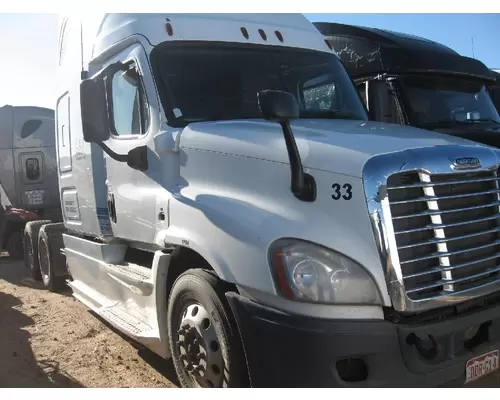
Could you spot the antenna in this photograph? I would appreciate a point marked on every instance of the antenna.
(83, 73)
(472, 41)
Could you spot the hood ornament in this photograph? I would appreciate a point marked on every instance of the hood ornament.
(462, 163)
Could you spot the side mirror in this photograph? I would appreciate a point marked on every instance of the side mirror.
(276, 105)
(137, 158)
(282, 107)
(94, 111)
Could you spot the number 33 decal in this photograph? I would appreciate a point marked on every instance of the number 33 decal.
(346, 193)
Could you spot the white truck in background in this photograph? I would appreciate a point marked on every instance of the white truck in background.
(228, 204)
(28, 176)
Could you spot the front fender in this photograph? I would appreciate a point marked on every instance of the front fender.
(233, 229)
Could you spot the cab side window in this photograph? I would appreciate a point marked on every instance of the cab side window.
(320, 94)
(130, 110)
(30, 127)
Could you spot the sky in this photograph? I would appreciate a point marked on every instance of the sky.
(29, 45)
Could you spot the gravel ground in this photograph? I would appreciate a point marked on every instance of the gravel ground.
(53, 340)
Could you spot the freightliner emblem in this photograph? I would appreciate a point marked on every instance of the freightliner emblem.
(466, 163)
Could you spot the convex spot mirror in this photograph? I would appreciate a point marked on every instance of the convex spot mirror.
(137, 158)
(276, 105)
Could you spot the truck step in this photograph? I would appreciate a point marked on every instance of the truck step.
(88, 296)
(128, 317)
(134, 277)
(125, 321)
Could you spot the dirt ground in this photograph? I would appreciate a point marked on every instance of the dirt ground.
(53, 340)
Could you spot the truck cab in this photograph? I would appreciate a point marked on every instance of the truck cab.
(411, 80)
(228, 204)
(28, 180)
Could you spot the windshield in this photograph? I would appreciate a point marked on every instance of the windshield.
(433, 100)
(206, 82)
(495, 96)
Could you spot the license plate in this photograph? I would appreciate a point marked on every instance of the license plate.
(480, 366)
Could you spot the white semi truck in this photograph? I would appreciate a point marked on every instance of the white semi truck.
(28, 172)
(228, 204)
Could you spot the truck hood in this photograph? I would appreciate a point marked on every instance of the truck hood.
(341, 146)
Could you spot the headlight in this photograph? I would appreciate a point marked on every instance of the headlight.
(311, 273)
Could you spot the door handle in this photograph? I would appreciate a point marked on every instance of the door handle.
(111, 207)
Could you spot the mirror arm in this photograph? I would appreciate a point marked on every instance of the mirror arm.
(297, 172)
(136, 158)
(303, 185)
(112, 154)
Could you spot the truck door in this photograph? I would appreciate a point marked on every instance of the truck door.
(132, 193)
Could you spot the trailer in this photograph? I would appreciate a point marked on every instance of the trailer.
(410, 80)
(28, 182)
(228, 204)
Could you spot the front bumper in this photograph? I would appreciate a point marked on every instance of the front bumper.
(284, 350)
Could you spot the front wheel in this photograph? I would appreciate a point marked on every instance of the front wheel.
(203, 336)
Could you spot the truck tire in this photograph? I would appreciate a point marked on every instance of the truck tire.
(203, 335)
(30, 244)
(47, 259)
(14, 245)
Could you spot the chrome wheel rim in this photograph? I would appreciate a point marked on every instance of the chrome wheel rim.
(44, 261)
(199, 347)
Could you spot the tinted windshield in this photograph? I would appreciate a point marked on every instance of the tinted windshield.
(218, 82)
(440, 100)
(495, 96)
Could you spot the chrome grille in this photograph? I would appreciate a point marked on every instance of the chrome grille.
(446, 229)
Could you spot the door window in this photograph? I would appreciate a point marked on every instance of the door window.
(130, 111)
(32, 169)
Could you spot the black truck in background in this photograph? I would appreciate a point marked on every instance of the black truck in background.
(411, 80)
(494, 89)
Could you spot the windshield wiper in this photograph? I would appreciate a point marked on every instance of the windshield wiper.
(454, 122)
(442, 122)
(483, 120)
(326, 114)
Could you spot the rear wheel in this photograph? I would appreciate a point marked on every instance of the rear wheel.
(14, 245)
(47, 268)
(30, 242)
(203, 336)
